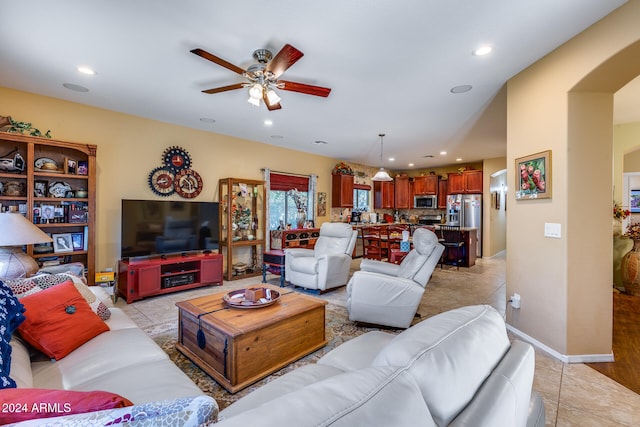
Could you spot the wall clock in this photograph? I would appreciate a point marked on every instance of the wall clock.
(188, 183)
(176, 159)
(161, 181)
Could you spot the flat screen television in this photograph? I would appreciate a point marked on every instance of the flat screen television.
(156, 227)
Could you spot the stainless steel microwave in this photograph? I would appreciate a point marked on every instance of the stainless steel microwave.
(425, 202)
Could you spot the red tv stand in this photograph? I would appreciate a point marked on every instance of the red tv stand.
(140, 278)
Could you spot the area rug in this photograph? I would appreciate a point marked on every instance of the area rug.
(337, 327)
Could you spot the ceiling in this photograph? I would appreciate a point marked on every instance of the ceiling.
(390, 65)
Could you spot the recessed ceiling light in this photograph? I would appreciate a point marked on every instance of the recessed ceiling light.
(320, 142)
(459, 159)
(86, 70)
(461, 89)
(483, 50)
(410, 165)
(392, 159)
(443, 153)
(268, 122)
(207, 120)
(75, 88)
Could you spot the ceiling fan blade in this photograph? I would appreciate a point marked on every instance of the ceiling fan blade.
(224, 88)
(304, 88)
(287, 56)
(206, 55)
(275, 106)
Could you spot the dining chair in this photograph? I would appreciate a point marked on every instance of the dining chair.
(372, 242)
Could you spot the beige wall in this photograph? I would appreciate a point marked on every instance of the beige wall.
(129, 147)
(564, 103)
(494, 220)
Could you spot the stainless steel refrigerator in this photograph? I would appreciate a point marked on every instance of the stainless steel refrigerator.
(465, 210)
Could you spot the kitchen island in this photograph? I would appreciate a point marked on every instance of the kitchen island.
(469, 236)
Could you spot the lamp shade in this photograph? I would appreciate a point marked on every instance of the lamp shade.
(382, 175)
(16, 230)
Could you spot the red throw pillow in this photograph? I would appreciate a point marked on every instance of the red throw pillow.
(21, 404)
(59, 320)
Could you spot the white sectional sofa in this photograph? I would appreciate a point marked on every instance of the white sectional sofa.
(123, 360)
(454, 369)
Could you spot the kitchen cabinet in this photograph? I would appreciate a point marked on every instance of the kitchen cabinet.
(383, 195)
(341, 191)
(467, 182)
(427, 184)
(402, 193)
(442, 193)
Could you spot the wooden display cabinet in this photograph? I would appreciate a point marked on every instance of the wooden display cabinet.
(242, 227)
(341, 191)
(144, 277)
(53, 184)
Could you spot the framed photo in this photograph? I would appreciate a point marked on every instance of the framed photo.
(70, 166)
(83, 167)
(40, 188)
(62, 242)
(47, 211)
(634, 201)
(533, 176)
(77, 241)
(322, 204)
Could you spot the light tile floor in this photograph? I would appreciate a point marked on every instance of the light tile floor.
(573, 394)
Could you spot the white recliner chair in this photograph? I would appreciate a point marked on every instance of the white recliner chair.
(389, 294)
(325, 266)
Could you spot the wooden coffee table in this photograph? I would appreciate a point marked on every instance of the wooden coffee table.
(242, 346)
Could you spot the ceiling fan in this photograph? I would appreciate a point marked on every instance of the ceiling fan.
(262, 78)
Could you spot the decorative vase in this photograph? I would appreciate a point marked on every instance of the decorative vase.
(301, 217)
(617, 227)
(631, 270)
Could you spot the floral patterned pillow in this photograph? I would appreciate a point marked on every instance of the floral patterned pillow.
(11, 316)
(33, 284)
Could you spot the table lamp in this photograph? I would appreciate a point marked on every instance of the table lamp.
(16, 231)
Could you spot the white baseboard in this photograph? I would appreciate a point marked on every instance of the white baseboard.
(574, 358)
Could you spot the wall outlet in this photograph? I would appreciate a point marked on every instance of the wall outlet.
(515, 301)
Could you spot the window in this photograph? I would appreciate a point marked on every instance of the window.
(282, 207)
(361, 197)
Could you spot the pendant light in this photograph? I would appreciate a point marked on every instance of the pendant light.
(381, 175)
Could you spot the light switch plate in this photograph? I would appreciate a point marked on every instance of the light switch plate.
(552, 229)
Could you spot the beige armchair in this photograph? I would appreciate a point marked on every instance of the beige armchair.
(325, 266)
(388, 294)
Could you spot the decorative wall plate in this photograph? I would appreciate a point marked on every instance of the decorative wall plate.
(59, 189)
(176, 159)
(188, 183)
(161, 181)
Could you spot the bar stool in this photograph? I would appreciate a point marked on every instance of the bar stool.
(451, 239)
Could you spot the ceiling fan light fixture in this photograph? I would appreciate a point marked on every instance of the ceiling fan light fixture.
(272, 97)
(254, 101)
(255, 91)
